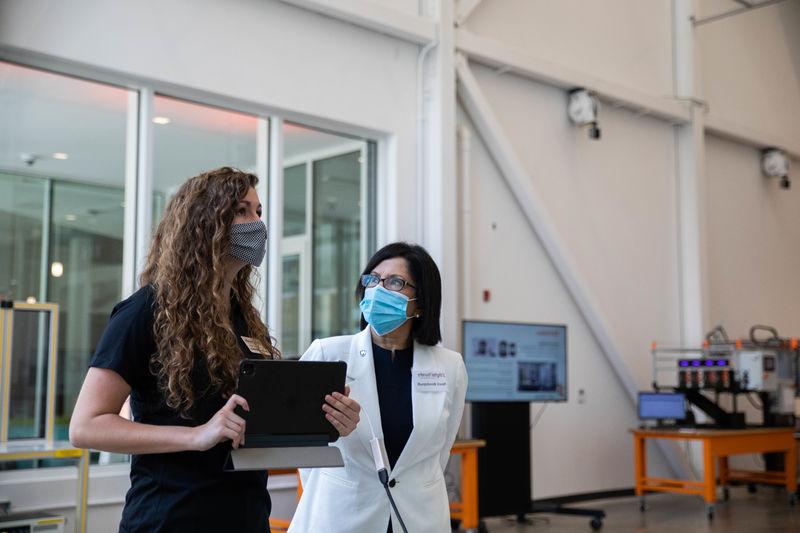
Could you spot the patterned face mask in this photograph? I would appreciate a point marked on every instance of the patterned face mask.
(248, 242)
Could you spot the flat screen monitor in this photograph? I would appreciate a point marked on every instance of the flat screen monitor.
(662, 406)
(513, 362)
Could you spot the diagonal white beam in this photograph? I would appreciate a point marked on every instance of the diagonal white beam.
(537, 215)
(374, 16)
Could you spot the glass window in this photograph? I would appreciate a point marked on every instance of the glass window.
(22, 205)
(325, 183)
(337, 243)
(63, 154)
(62, 148)
(29, 366)
(291, 306)
(86, 233)
(190, 138)
(294, 200)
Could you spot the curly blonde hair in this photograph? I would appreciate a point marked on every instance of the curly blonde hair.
(186, 268)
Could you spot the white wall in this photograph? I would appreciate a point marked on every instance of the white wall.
(751, 67)
(753, 236)
(627, 41)
(613, 203)
(508, 260)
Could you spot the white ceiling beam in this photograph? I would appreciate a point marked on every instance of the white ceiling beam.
(501, 56)
(375, 17)
(510, 59)
(748, 8)
(728, 129)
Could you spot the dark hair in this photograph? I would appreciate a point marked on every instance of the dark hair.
(429, 288)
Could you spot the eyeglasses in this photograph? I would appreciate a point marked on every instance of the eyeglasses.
(392, 283)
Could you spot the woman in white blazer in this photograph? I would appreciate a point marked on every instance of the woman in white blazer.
(411, 393)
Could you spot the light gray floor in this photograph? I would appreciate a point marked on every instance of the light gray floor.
(767, 510)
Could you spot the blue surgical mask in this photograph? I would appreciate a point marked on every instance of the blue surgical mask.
(384, 310)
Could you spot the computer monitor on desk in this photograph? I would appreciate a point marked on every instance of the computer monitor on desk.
(662, 406)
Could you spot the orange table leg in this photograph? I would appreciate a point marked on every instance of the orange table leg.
(709, 476)
(639, 463)
(790, 467)
(724, 470)
(469, 489)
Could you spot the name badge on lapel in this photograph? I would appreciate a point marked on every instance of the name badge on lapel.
(254, 345)
(429, 380)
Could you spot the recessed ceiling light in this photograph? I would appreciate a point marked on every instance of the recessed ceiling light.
(30, 300)
(70, 217)
(57, 269)
(60, 155)
(163, 121)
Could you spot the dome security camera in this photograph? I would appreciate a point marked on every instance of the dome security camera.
(582, 110)
(775, 164)
(28, 159)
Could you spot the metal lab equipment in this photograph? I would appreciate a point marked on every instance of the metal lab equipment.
(764, 367)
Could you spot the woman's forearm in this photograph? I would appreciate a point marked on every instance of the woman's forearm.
(112, 433)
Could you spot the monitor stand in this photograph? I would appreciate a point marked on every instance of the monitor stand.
(504, 467)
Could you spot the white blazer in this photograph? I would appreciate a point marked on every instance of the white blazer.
(351, 499)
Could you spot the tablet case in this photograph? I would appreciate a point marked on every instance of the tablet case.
(286, 426)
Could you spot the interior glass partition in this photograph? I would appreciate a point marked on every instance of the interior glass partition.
(62, 174)
(327, 181)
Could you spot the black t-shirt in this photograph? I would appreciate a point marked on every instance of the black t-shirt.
(393, 381)
(181, 491)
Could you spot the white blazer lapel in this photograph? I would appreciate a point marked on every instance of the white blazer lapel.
(361, 378)
(427, 409)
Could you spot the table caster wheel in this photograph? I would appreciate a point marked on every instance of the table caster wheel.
(710, 512)
(596, 524)
(642, 505)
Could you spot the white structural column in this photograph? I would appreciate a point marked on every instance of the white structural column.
(129, 226)
(438, 198)
(690, 168)
(262, 171)
(144, 177)
(275, 227)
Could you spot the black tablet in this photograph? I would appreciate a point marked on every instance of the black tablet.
(285, 399)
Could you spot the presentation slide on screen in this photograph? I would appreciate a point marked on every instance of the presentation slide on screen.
(515, 362)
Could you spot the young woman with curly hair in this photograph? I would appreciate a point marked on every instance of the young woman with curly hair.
(175, 346)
